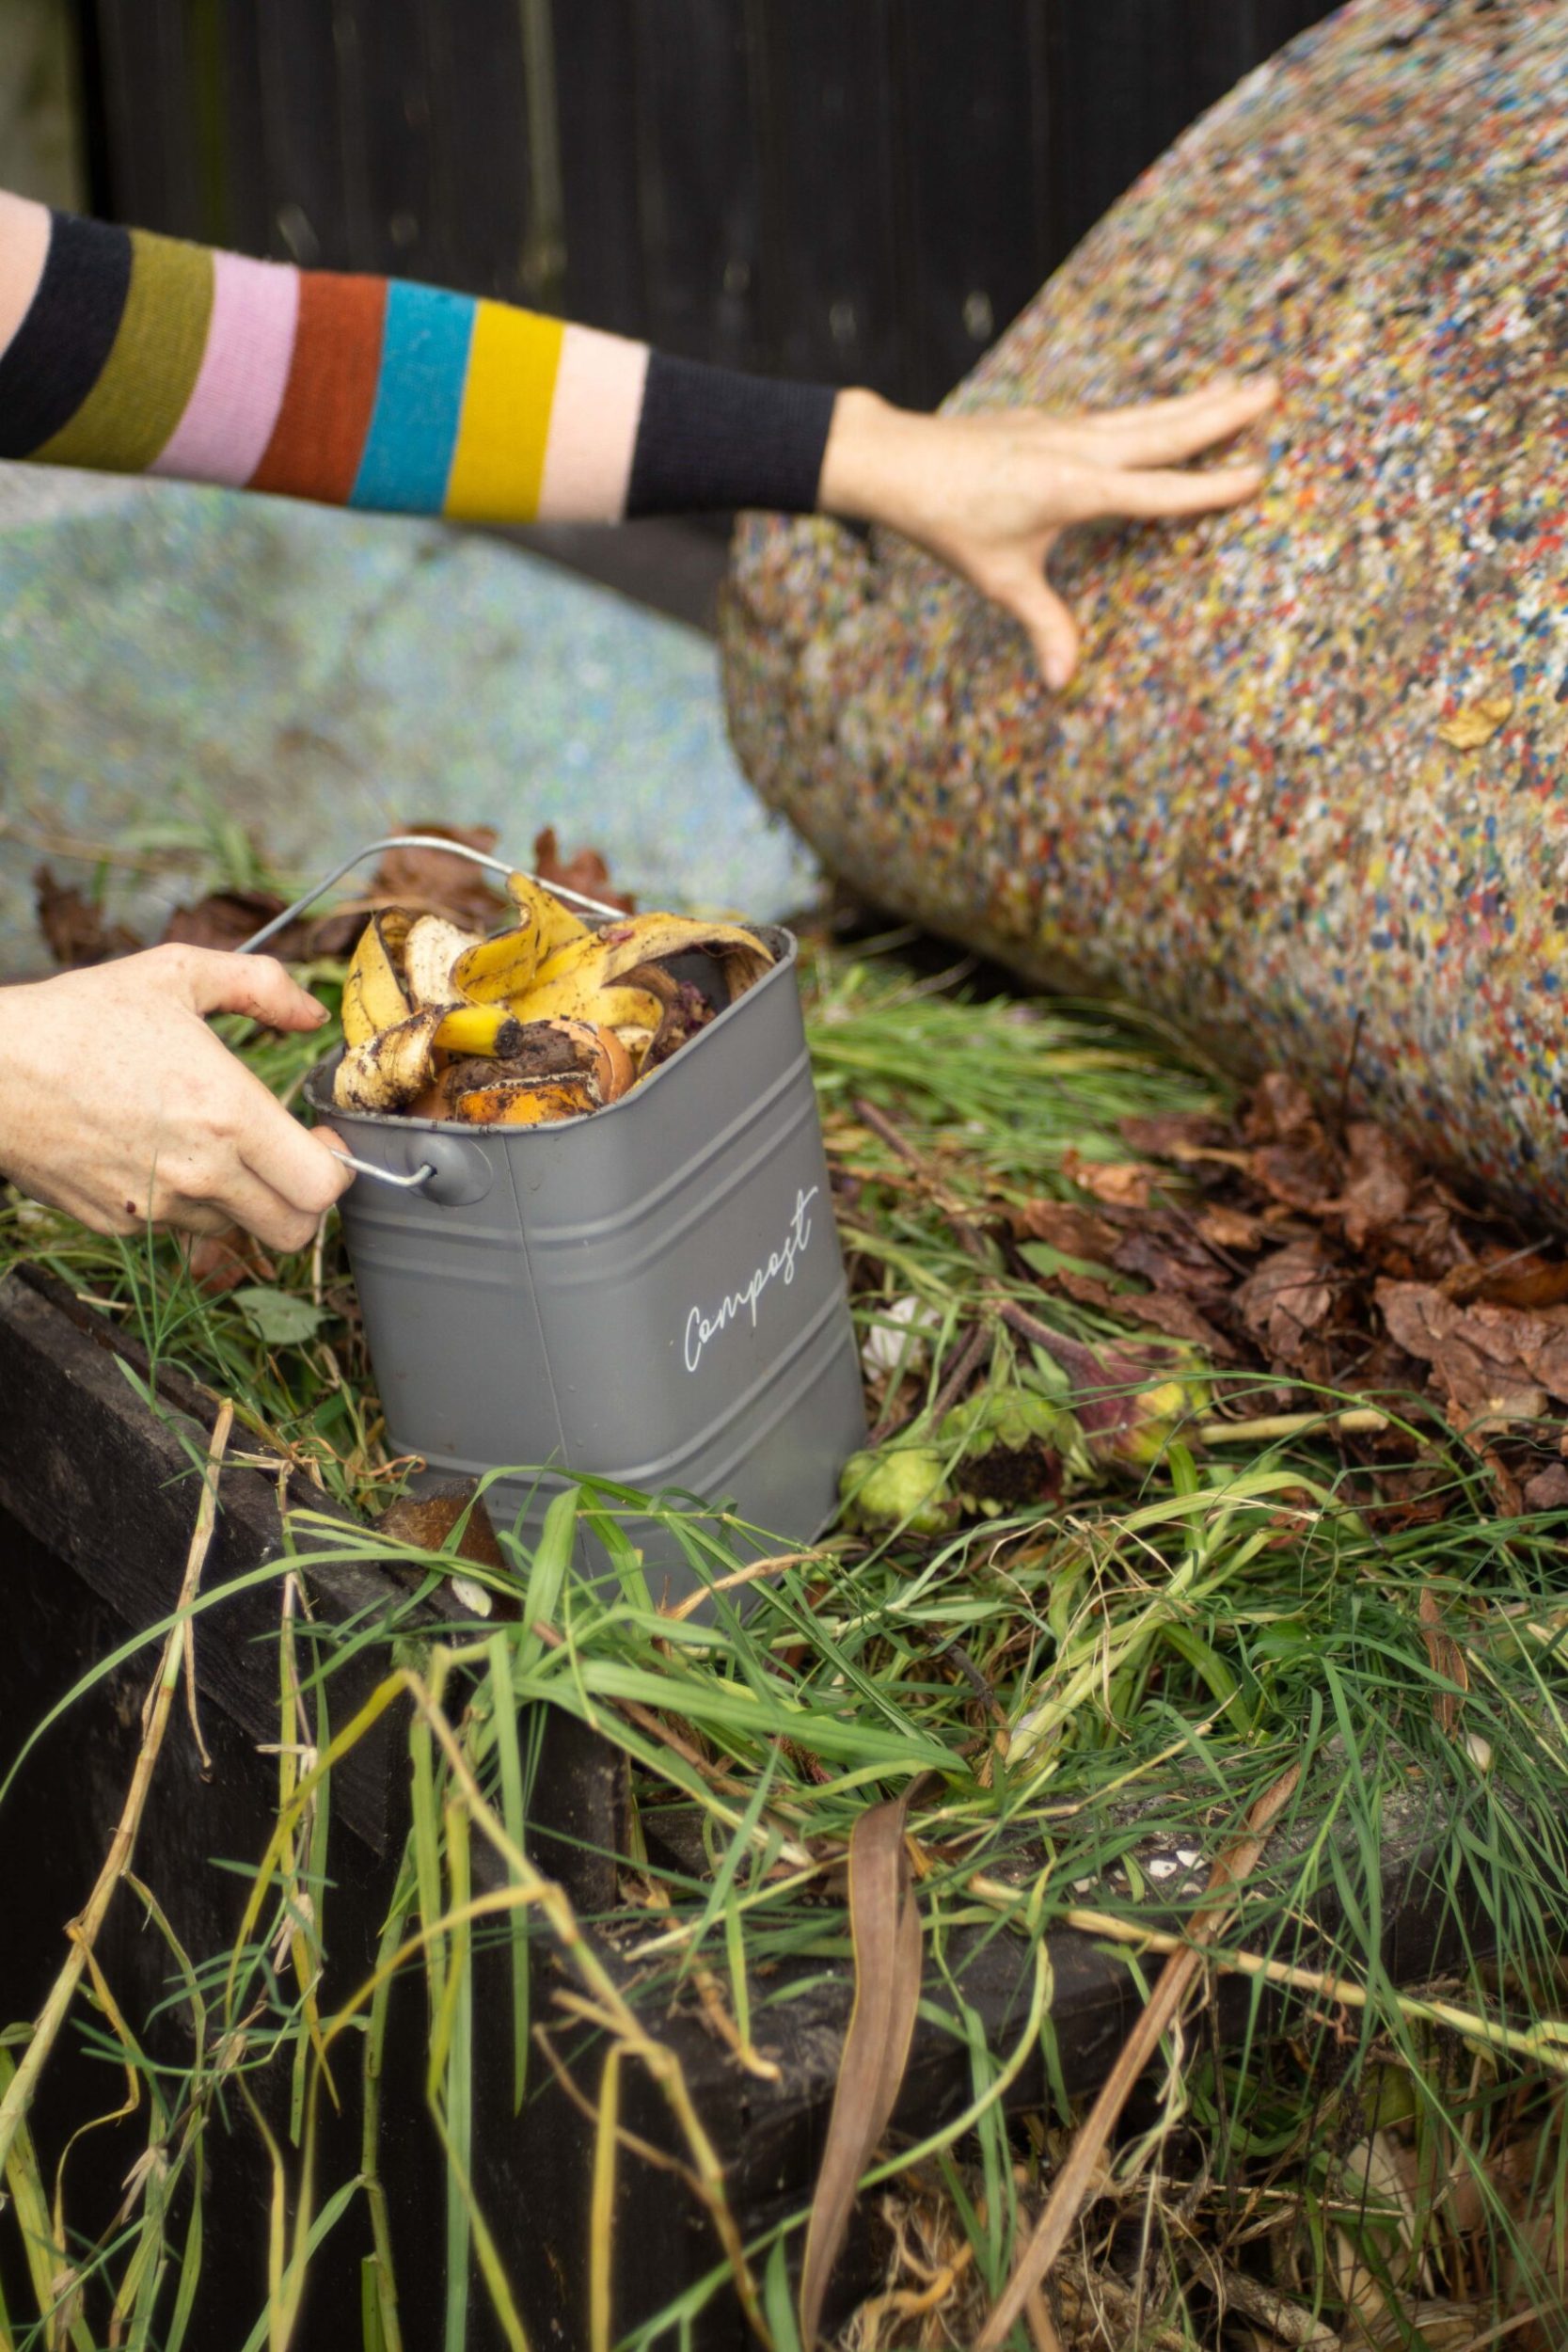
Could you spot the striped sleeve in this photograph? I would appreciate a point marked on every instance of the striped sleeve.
(137, 353)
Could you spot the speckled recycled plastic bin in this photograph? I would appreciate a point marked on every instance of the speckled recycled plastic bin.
(652, 1293)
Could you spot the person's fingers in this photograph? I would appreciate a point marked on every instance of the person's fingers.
(1162, 431)
(1028, 595)
(248, 1200)
(291, 1161)
(213, 981)
(1096, 493)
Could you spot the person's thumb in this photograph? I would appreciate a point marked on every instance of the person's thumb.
(255, 985)
(1052, 631)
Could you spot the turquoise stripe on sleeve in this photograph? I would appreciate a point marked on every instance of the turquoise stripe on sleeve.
(418, 399)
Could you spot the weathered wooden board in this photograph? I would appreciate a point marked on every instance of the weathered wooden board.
(101, 1494)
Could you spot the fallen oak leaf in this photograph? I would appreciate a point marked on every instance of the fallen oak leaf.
(1286, 1297)
(1484, 1360)
(1161, 1310)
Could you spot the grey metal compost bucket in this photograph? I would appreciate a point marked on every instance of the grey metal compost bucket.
(652, 1293)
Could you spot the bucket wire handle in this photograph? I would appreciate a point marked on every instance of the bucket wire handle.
(426, 1170)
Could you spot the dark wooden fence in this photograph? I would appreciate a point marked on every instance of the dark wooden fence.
(857, 189)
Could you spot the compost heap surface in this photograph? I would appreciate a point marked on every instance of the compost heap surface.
(1305, 786)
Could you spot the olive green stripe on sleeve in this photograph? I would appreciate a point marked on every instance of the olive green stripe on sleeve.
(152, 365)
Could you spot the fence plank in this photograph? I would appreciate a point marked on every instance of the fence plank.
(974, 142)
(298, 61)
(832, 299)
(480, 146)
(389, 170)
(596, 106)
(699, 194)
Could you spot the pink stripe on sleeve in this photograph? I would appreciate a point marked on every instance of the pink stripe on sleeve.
(594, 419)
(239, 389)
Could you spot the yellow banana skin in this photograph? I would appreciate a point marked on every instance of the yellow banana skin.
(600, 958)
(373, 998)
(551, 923)
(384, 1071)
(490, 1029)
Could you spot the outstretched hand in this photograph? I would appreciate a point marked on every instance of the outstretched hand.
(990, 493)
(119, 1104)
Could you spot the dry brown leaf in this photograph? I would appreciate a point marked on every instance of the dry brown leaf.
(1076, 1233)
(884, 1927)
(1378, 1186)
(1445, 1657)
(1474, 724)
(1225, 1227)
(1485, 1359)
(427, 1519)
(217, 1262)
(1159, 1310)
(1120, 1184)
(1286, 1297)
(74, 928)
(584, 870)
(1172, 1134)
(436, 882)
(1548, 1489)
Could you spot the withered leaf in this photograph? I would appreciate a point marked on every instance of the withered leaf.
(74, 928)
(1119, 1184)
(1474, 724)
(1172, 1134)
(1548, 1489)
(1286, 1297)
(1169, 1258)
(584, 870)
(1280, 1106)
(884, 1927)
(1159, 1310)
(225, 919)
(1076, 1233)
(427, 1519)
(1378, 1186)
(1483, 1358)
(217, 1262)
(1225, 1227)
(1445, 1659)
(437, 883)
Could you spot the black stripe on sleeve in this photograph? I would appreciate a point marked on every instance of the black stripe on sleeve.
(708, 437)
(58, 354)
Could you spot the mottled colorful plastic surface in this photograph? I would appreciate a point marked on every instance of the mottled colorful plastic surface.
(174, 654)
(1247, 812)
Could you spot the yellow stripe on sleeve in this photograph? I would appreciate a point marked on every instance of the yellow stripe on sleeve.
(498, 463)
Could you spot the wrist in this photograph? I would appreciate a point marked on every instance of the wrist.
(870, 445)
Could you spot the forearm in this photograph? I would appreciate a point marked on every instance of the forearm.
(135, 353)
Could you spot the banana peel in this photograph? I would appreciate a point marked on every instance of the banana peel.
(546, 1021)
(431, 949)
(385, 1072)
(373, 997)
(598, 958)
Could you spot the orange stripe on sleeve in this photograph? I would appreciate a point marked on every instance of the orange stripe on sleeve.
(320, 435)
